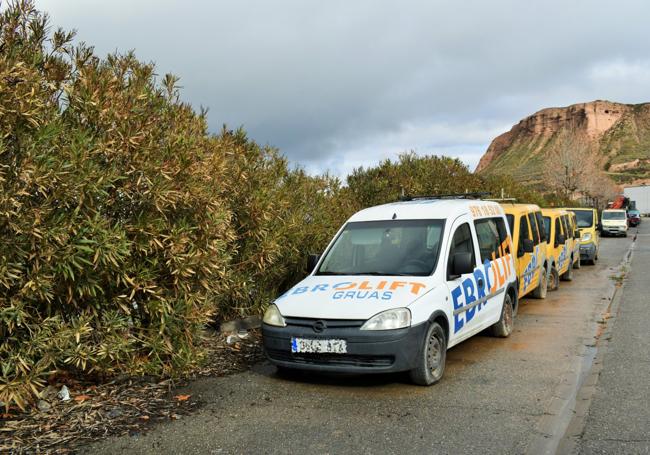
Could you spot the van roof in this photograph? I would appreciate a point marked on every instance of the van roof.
(429, 209)
(554, 212)
(516, 209)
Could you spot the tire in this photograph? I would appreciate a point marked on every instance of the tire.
(433, 356)
(503, 327)
(568, 275)
(542, 288)
(578, 263)
(554, 279)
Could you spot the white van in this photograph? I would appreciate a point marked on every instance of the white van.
(397, 286)
(614, 222)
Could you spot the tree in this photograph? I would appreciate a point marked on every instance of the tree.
(573, 168)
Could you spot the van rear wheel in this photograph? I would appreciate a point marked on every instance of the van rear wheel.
(542, 288)
(433, 356)
(503, 327)
(568, 275)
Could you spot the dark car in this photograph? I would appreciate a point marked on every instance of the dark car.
(633, 218)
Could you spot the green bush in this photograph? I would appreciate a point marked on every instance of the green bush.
(126, 227)
(115, 243)
(414, 175)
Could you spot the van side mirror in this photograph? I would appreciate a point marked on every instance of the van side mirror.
(462, 264)
(312, 260)
(576, 234)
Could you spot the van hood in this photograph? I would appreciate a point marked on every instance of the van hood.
(614, 222)
(351, 297)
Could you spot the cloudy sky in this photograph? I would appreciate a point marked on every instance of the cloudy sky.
(337, 84)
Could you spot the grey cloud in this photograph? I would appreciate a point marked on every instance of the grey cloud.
(335, 83)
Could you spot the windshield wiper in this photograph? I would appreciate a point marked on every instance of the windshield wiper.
(381, 274)
(368, 274)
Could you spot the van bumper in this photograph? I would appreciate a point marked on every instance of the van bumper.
(368, 351)
(614, 230)
(588, 252)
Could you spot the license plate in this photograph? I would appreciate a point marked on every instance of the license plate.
(318, 346)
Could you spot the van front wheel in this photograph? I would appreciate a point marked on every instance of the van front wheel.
(433, 355)
(578, 263)
(553, 279)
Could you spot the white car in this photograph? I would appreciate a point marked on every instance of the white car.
(614, 222)
(397, 286)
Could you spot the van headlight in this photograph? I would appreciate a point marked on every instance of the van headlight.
(397, 318)
(273, 317)
(586, 237)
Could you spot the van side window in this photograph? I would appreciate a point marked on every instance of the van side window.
(503, 236)
(547, 228)
(543, 233)
(523, 232)
(565, 224)
(461, 242)
(533, 227)
(558, 229)
(488, 239)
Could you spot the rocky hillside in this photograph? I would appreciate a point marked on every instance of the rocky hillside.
(620, 133)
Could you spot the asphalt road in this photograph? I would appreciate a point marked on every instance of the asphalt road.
(514, 395)
(618, 418)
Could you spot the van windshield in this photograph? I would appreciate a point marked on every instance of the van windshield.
(585, 218)
(614, 215)
(390, 247)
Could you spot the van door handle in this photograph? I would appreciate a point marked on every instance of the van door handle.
(480, 282)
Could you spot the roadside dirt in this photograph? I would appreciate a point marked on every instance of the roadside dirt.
(123, 406)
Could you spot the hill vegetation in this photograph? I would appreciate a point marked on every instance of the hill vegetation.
(614, 137)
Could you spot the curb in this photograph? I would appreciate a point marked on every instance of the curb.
(587, 390)
(564, 419)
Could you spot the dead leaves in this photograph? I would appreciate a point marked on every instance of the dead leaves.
(92, 413)
(116, 408)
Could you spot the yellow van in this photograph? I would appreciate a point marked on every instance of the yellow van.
(529, 238)
(559, 247)
(589, 238)
(575, 238)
